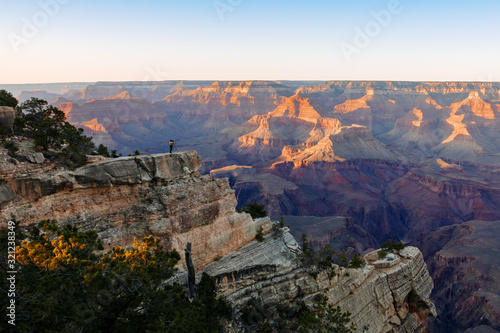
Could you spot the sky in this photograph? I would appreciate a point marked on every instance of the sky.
(109, 40)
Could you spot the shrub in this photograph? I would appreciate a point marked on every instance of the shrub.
(77, 146)
(305, 243)
(259, 236)
(390, 246)
(254, 209)
(70, 285)
(114, 154)
(47, 125)
(325, 318)
(5, 131)
(381, 253)
(7, 99)
(103, 150)
(11, 147)
(326, 257)
(356, 261)
(342, 259)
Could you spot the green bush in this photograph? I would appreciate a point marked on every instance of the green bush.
(390, 246)
(325, 318)
(114, 154)
(257, 316)
(305, 243)
(341, 258)
(77, 146)
(254, 313)
(381, 253)
(11, 147)
(254, 209)
(103, 150)
(326, 257)
(47, 125)
(70, 285)
(356, 261)
(7, 99)
(5, 131)
(259, 236)
(19, 122)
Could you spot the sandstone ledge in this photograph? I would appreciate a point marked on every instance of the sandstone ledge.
(132, 197)
(138, 169)
(394, 299)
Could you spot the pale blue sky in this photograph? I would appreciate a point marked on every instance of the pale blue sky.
(252, 39)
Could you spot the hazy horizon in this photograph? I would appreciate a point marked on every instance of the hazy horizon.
(64, 41)
(240, 80)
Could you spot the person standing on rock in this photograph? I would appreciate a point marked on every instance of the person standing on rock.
(171, 144)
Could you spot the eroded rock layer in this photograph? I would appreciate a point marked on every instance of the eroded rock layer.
(161, 195)
(381, 297)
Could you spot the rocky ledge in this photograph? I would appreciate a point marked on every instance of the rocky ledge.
(165, 196)
(161, 195)
(381, 297)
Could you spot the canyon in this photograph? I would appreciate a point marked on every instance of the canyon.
(375, 160)
(164, 195)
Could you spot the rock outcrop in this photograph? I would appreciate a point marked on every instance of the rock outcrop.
(164, 195)
(7, 115)
(383, 296)
(433, 147)
(161, 195)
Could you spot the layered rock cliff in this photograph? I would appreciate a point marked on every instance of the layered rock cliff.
(164, 195)
(390, 295)
(161, 195)
(290, 159)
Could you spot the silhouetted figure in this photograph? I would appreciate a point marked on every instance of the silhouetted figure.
(191, 274)
(171, 144)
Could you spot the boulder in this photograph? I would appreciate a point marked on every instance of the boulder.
(35, 158)
(7, 115)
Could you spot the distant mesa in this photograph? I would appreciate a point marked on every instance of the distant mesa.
(299, 107)
(475, 104)
(350, 142)
(123, 95)
(94, 125)
(357, 104)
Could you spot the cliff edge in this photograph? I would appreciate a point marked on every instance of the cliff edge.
(390, 295)
(161, 195)
(165, 196)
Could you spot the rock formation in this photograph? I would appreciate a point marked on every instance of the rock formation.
(6, 116)
(381, 297)
(164, 195)
(399, 159)
(145, 115)
(161, 195)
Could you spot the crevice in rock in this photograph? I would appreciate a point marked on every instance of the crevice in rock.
(394, 302)
(141, 165)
